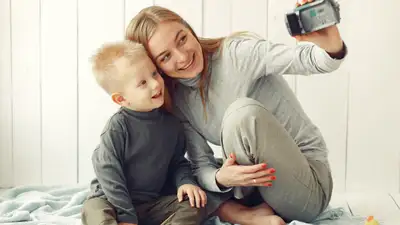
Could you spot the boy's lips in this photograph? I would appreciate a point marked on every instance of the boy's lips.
(157, 95)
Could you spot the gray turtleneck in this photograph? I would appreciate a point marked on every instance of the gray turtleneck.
(250, 67)
(140, 157)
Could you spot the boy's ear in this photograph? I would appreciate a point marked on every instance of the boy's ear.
(117, 98)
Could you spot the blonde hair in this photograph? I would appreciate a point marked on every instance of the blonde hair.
(142, 27)
(110, 60)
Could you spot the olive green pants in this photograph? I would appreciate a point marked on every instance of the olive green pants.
(166, 211)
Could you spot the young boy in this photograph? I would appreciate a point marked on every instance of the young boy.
(141, 150)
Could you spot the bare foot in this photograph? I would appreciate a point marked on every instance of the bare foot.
(264, 208)
(263, 214)
(235, 213)
(267, 220)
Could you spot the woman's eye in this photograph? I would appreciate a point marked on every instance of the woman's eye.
(165, 57)
(183, 39)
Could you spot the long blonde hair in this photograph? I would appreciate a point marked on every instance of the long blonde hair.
(144, 24)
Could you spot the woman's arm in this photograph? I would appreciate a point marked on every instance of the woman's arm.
(254, 57)
(210, 175)
(202, 157)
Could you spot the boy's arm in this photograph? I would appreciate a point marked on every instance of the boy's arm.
(107, 162)
(181, 168)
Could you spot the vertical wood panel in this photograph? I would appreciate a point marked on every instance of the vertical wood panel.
(217, 18)
(325, 99)
(250, 15)
(191, 11)
(6, 162)
(133, 7)
(99, 21)
(373, 142)
(59, 91)
(25, 31)
(277, 31)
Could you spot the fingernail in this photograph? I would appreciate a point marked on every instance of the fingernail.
(264, 166)
(272, 170)
(273, 178)
(268, 184)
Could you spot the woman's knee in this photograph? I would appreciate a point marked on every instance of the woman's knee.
(246, 122)
(242, 110)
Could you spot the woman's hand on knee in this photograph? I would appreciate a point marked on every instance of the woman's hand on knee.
(231, 174)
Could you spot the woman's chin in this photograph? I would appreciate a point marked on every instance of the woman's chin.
(186, 75)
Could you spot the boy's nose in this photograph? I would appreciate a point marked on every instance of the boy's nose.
(154, 84)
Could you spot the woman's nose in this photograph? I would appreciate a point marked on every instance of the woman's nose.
(181, 56)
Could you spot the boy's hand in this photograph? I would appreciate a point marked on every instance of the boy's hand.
(195, 194)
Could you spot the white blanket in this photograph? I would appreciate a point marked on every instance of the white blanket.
(61, 205)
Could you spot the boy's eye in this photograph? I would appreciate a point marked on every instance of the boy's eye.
(143, 82)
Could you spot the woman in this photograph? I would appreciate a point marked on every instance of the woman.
(230, 91)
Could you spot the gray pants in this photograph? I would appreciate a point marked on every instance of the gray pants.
(302, 189)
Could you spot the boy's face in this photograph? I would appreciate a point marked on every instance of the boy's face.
(144, 90)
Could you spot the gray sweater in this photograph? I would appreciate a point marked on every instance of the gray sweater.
(250, 67)
(140, 158)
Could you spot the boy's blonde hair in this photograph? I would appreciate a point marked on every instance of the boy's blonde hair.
(110, 61)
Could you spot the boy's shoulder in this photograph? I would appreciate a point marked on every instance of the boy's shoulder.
(116, 122)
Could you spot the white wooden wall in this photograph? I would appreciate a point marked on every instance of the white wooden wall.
(51, 110)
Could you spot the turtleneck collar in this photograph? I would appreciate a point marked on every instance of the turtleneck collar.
(151, 115)
(191, 82)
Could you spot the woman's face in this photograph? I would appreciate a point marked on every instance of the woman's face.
(176, 51)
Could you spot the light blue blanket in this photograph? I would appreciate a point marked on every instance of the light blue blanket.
(55, 205)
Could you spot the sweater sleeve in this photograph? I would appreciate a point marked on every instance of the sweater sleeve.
(107, 162)
(255, 57)
(201, 156)
(181, 168)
